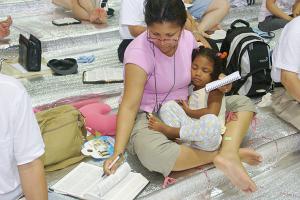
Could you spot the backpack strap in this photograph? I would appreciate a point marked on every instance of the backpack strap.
(241, 81)
(232, 26)
(236, 41)
(244, 48)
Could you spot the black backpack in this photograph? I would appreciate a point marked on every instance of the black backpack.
(250, 55)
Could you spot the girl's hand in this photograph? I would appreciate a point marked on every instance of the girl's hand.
(226, 88)
(184, 106)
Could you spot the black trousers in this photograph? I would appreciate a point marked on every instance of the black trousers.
(122, 47)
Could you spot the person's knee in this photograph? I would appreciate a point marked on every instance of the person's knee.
(151, 155)
(222, 5)
(212, 127)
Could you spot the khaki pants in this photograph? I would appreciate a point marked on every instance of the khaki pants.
(156, 152)
(286, 107)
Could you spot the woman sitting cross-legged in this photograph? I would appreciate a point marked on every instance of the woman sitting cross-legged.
(157, 70)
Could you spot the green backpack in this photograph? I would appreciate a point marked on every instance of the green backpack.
(63, 132)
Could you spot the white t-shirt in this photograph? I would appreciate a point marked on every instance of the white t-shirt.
(198, 100)
(284, 5)
(286, 54)
(131, 13)
(20, 137)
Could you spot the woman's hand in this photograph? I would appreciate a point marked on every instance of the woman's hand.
(226, 88)
(110, 168)
(296, 9)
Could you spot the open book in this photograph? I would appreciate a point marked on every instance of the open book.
(226, 80)
(86, 182)
(103, 75)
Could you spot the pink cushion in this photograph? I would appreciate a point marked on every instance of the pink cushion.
(98, 118)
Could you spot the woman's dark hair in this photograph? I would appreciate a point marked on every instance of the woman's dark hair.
(213, 56)
(159, 11)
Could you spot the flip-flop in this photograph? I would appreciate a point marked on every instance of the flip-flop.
(63, 66)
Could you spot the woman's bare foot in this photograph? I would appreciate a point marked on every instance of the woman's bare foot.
(155, 124)
(250, 156)
(233, 169)
(98, 16)
(5, 27)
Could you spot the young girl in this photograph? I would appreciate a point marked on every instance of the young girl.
(182, 121)
(275, 14)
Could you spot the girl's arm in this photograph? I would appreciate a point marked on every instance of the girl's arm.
(271, 6)
(214, 102)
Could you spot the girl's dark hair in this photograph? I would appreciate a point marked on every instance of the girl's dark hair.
(213, 56)
(159, 11)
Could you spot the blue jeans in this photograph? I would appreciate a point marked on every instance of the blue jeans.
(199, 8)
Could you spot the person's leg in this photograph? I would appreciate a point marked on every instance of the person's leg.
(157, 153)
(216, 11)
(272, 23)
(67, 4)
(88, 5)
(228, 160)
(286, 107)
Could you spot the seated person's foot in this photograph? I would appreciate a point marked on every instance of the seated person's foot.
(4, 27)
(155, 124)
(210, 31)
(233, 169)
(98, 16)
(250, 156)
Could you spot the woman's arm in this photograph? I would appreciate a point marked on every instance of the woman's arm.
(33, 180)
(291, 83)
(136, 30)
(214, 102)
(271, 6)
(135, 79)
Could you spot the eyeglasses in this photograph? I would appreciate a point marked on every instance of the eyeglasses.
(169, 41)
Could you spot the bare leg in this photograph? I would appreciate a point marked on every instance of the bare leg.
(190, 157)
(246, 155)
(228, 160)
(214, 15)
(67, 4)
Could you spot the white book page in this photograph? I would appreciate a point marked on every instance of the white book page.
(104, 74)
(219, 83)
(128, 188)
(76, 182)
(107, 183)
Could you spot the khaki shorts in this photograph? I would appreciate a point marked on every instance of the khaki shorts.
(286, 107)
(155, 151)
(239, 103)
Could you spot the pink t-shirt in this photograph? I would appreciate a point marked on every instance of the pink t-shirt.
(143, 53)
